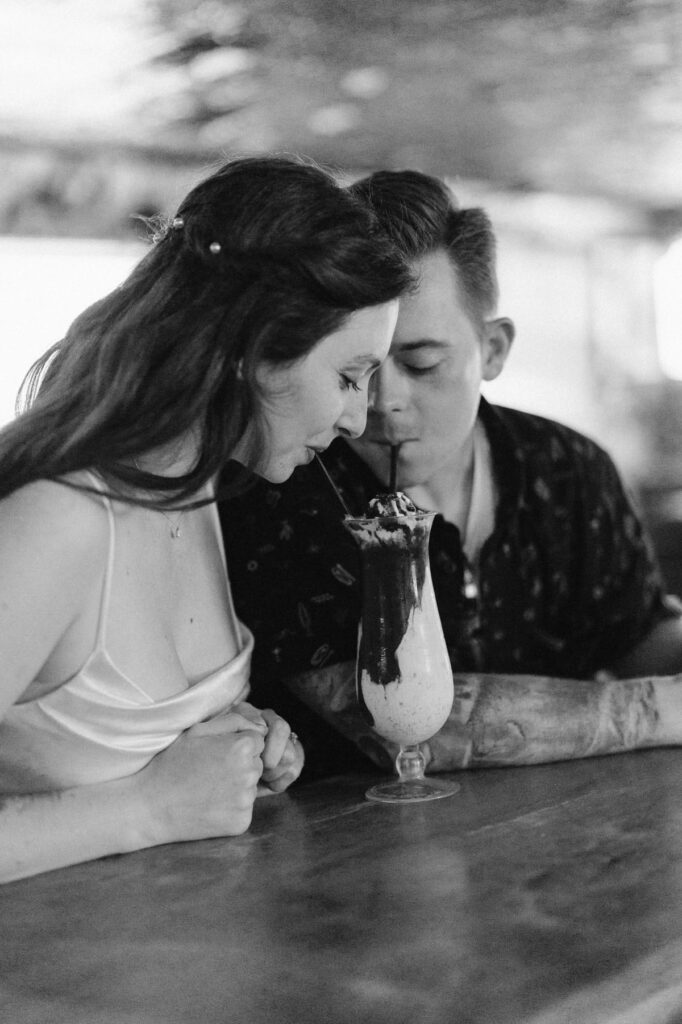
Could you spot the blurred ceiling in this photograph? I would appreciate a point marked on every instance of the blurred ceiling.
(569, 96)
(574, 96)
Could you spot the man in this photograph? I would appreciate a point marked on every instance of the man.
(551, 601)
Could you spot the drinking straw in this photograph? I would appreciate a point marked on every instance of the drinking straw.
(333, 486)
(394, 468)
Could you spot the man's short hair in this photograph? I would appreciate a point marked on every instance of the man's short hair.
(420, 213)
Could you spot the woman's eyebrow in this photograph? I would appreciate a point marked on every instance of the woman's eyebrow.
(371, 362)
(412, 346)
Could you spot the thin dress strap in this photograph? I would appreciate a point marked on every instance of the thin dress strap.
(236, 626)
(106, 587)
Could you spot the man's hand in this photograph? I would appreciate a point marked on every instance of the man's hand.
(330, 692)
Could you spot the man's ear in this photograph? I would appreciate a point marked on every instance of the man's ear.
(497, 342)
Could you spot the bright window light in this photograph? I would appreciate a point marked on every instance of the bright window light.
(668, 299)
(45, 283)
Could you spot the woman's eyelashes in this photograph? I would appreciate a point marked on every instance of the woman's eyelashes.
(355, 383)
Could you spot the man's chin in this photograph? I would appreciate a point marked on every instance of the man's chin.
(377, 457)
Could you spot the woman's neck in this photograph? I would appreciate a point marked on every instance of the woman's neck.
(177, 458)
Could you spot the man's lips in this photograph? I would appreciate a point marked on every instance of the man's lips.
(387, 442)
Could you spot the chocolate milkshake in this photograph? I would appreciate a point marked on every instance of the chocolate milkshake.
(404, 676)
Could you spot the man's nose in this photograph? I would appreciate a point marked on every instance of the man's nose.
(388, 391)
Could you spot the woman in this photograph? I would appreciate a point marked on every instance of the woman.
(249, 331)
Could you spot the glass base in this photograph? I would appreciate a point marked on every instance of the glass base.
(411, 790)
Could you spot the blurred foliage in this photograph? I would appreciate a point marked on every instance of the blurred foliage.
(337, 31)
(572, 96)
(88, 191)
(564, 94)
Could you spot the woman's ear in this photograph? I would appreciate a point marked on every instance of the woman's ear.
(497, 342)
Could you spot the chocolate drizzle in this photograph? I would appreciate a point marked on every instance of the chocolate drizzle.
(394, 553)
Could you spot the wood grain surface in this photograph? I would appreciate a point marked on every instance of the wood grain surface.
(541, 895)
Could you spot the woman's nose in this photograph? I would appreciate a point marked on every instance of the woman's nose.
(353, 420)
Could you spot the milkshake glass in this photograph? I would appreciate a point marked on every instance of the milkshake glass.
(403, 676)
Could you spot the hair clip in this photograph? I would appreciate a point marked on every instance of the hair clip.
(215, 248)
(178, 222)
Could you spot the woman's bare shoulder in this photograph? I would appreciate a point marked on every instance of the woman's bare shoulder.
(50, 515)
(54, 543)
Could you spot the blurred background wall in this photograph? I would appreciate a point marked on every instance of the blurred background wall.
(563, 118)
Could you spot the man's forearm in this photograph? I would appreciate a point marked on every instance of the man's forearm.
(513, 719)
(330, 693)
(516, 719)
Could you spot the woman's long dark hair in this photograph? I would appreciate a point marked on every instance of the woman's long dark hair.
(262, 260)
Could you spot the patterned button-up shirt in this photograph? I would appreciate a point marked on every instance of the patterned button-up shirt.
(566, 584)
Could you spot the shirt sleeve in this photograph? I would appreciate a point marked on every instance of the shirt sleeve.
(621, 596)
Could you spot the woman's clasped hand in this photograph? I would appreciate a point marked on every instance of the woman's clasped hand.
(205, 783)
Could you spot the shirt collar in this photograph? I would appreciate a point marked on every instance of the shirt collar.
(508, 462)
(481, 516)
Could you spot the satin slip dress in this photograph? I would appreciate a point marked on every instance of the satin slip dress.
(100, 725)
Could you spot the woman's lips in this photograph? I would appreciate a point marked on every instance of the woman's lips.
(313, 450)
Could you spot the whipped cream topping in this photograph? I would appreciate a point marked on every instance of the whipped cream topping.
(395, 504)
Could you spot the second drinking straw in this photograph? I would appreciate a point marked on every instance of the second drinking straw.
(395, 448)
(335, 489)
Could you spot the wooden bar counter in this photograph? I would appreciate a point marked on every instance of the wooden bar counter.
(536, 895)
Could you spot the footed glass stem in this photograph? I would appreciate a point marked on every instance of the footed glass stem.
(411, 783)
